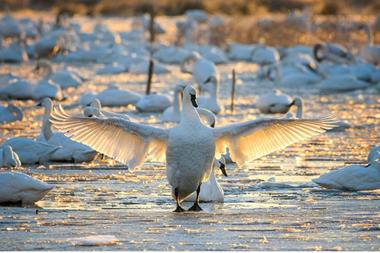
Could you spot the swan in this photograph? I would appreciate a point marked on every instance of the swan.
(95, 109)
(210, 101)
(153, 102)
(69, 150)
(142, 65)
(341, 83)
(19, 188)
(240, 52)
(131, 143)
(211, 53)
(370, 52)
(9, 27)
(277, 102)
(64, 78)
(203, 70)
(112, 96)
(9, 158)
(30, 151)
(47, 88)
(14, 53)
(17, 89)
(171, 55)
(332, 52)
(354, 177)
(265, 55)
(10, 113)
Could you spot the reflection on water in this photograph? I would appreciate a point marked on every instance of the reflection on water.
(259, 213)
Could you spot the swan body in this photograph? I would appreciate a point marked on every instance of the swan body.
(354, 177)
(9, 158)
(265, 55)
(141, 67)
(112, 69)
(19, 89)
(10, 113)
(130, 142)
(332, 52)
(65, 78)
(240, 52)
(153, 103)
(211, 53)
(30, 151)
(277, 102)
(17, 187)
(111, 97)
(341, 83)
(14, 53)
(171, 55)
(45, 88)
(9, 27)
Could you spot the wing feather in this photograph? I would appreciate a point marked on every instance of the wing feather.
(253, 139)
(125, 141)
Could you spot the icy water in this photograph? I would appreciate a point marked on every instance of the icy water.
(270, 204)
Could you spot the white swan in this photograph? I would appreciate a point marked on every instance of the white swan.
(341, 83)
(47, 88)
(332, 52)
(10, 113)
(69, 150)
(265, 55)
(112, 96)
(370, 52)
(153, 102)
(19, 188)
(354, 177)
(203, 70)
(171, 54)
(30, 151)
(9, 158)
(132, 143)
(63, 78)
(277, 102)
(210, 101)
(18, 89)
(95, 109)
(14, 53)
(240, 52)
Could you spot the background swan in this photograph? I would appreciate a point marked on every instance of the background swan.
(69, 150)
(354, 177)
(95, 109)
(154, 102)
(30, 151)
(17, 187)
(112, 96)
(9, 158)
(277, 102)
(10, 113)
(132, 143)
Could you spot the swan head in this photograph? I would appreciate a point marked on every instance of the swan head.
(95, 103)
(319, 52)
(190, 92)
(297, 102)
(187, 64)
(46, 103)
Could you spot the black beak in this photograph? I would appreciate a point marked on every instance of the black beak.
(222, 167)
(39, 104)
(90, 116)
(212, 125)
(194, 101)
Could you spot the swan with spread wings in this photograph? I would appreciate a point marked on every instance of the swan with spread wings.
(190, 147)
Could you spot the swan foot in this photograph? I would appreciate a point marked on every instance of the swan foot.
(179, 209)
(195, 208)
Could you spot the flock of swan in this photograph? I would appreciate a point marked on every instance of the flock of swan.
(194, 148)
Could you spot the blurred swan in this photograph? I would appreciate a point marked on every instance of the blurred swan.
(240, 52)
(132, 143)
(263, 55)
(203, 70)
(141, 67)
(341, 83)
(10, 113)
(112, 96)
(18, 89)
(332, 52)
(370, 52)
(354, 177)
(9, 27)
(69, 150)
(171, 54)
(95, 110)
(30, 151)
(19, 188)
(14, 53)
(277, 102)
(46, 88)
(9, 158)
(64, 78)
(153, 102)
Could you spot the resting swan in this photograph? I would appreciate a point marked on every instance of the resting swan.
(95, 109)
(9, 158)
(132, 143)
(10, 113)
(277, 102)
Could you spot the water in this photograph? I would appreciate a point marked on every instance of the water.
(259, 213)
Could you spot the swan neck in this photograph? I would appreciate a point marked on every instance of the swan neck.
(176, 101)
(46, 125)
(368, 31)
(298, 102)
(189, 115)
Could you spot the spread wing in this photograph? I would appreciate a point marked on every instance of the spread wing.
(123, 140)
(253, 139)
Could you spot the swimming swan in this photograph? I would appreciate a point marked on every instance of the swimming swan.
(132, 143)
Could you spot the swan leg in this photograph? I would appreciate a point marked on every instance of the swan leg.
(178, 209)
(196, 207)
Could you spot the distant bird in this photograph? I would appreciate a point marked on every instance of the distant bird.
(10, 113)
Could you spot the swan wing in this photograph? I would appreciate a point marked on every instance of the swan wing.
(125, 141)
(253, 139)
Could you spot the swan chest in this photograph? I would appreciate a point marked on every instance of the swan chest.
(190, 154)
